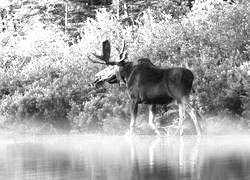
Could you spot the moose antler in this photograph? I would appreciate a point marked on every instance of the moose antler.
(106, 55)
(123, 55)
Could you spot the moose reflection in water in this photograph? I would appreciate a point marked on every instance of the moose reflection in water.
(140, 158)
(150, 85)
(177, 161)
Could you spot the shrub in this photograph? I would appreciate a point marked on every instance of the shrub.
(43, 78)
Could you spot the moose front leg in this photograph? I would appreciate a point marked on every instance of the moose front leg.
(133, 112)
(152, 109)
(181, 118)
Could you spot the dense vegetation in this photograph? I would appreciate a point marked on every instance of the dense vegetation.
(45, 75)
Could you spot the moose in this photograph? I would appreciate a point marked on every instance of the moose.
(148, 84)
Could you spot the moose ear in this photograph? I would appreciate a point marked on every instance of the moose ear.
(121, 63)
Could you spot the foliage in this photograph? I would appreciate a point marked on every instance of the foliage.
(45, 79)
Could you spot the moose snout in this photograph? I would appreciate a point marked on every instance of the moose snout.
(106, 75)
(97, 82)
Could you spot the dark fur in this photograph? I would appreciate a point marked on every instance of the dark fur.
(149, 84)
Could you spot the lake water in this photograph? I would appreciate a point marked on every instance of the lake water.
(120, 158)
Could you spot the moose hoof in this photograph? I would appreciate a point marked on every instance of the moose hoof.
(198, 133)
(179, 133)
(158, 134)
(129, 134)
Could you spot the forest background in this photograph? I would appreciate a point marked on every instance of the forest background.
(45, 74)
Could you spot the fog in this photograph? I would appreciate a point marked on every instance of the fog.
(120, 157)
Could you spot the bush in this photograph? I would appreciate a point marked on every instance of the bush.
(43, 78)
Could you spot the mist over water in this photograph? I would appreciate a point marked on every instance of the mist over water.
(117, 157)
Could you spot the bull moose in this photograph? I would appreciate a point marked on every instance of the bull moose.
(148, 84)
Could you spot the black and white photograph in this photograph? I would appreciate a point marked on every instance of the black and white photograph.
(125, 90)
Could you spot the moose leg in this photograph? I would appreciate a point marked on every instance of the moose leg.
(152, 109)
(133, 112)
(192, 114)
(181, 117)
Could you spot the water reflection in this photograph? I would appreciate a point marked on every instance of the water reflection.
(113, 158)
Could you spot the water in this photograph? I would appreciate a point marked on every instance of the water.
(119, 158)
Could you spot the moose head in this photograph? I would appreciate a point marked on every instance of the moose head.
(116, 71)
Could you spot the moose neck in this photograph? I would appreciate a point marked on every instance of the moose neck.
(125, 71)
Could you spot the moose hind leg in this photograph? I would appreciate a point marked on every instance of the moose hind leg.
(152, 109)
(181, 118)
(133, 112)
(192, 114)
